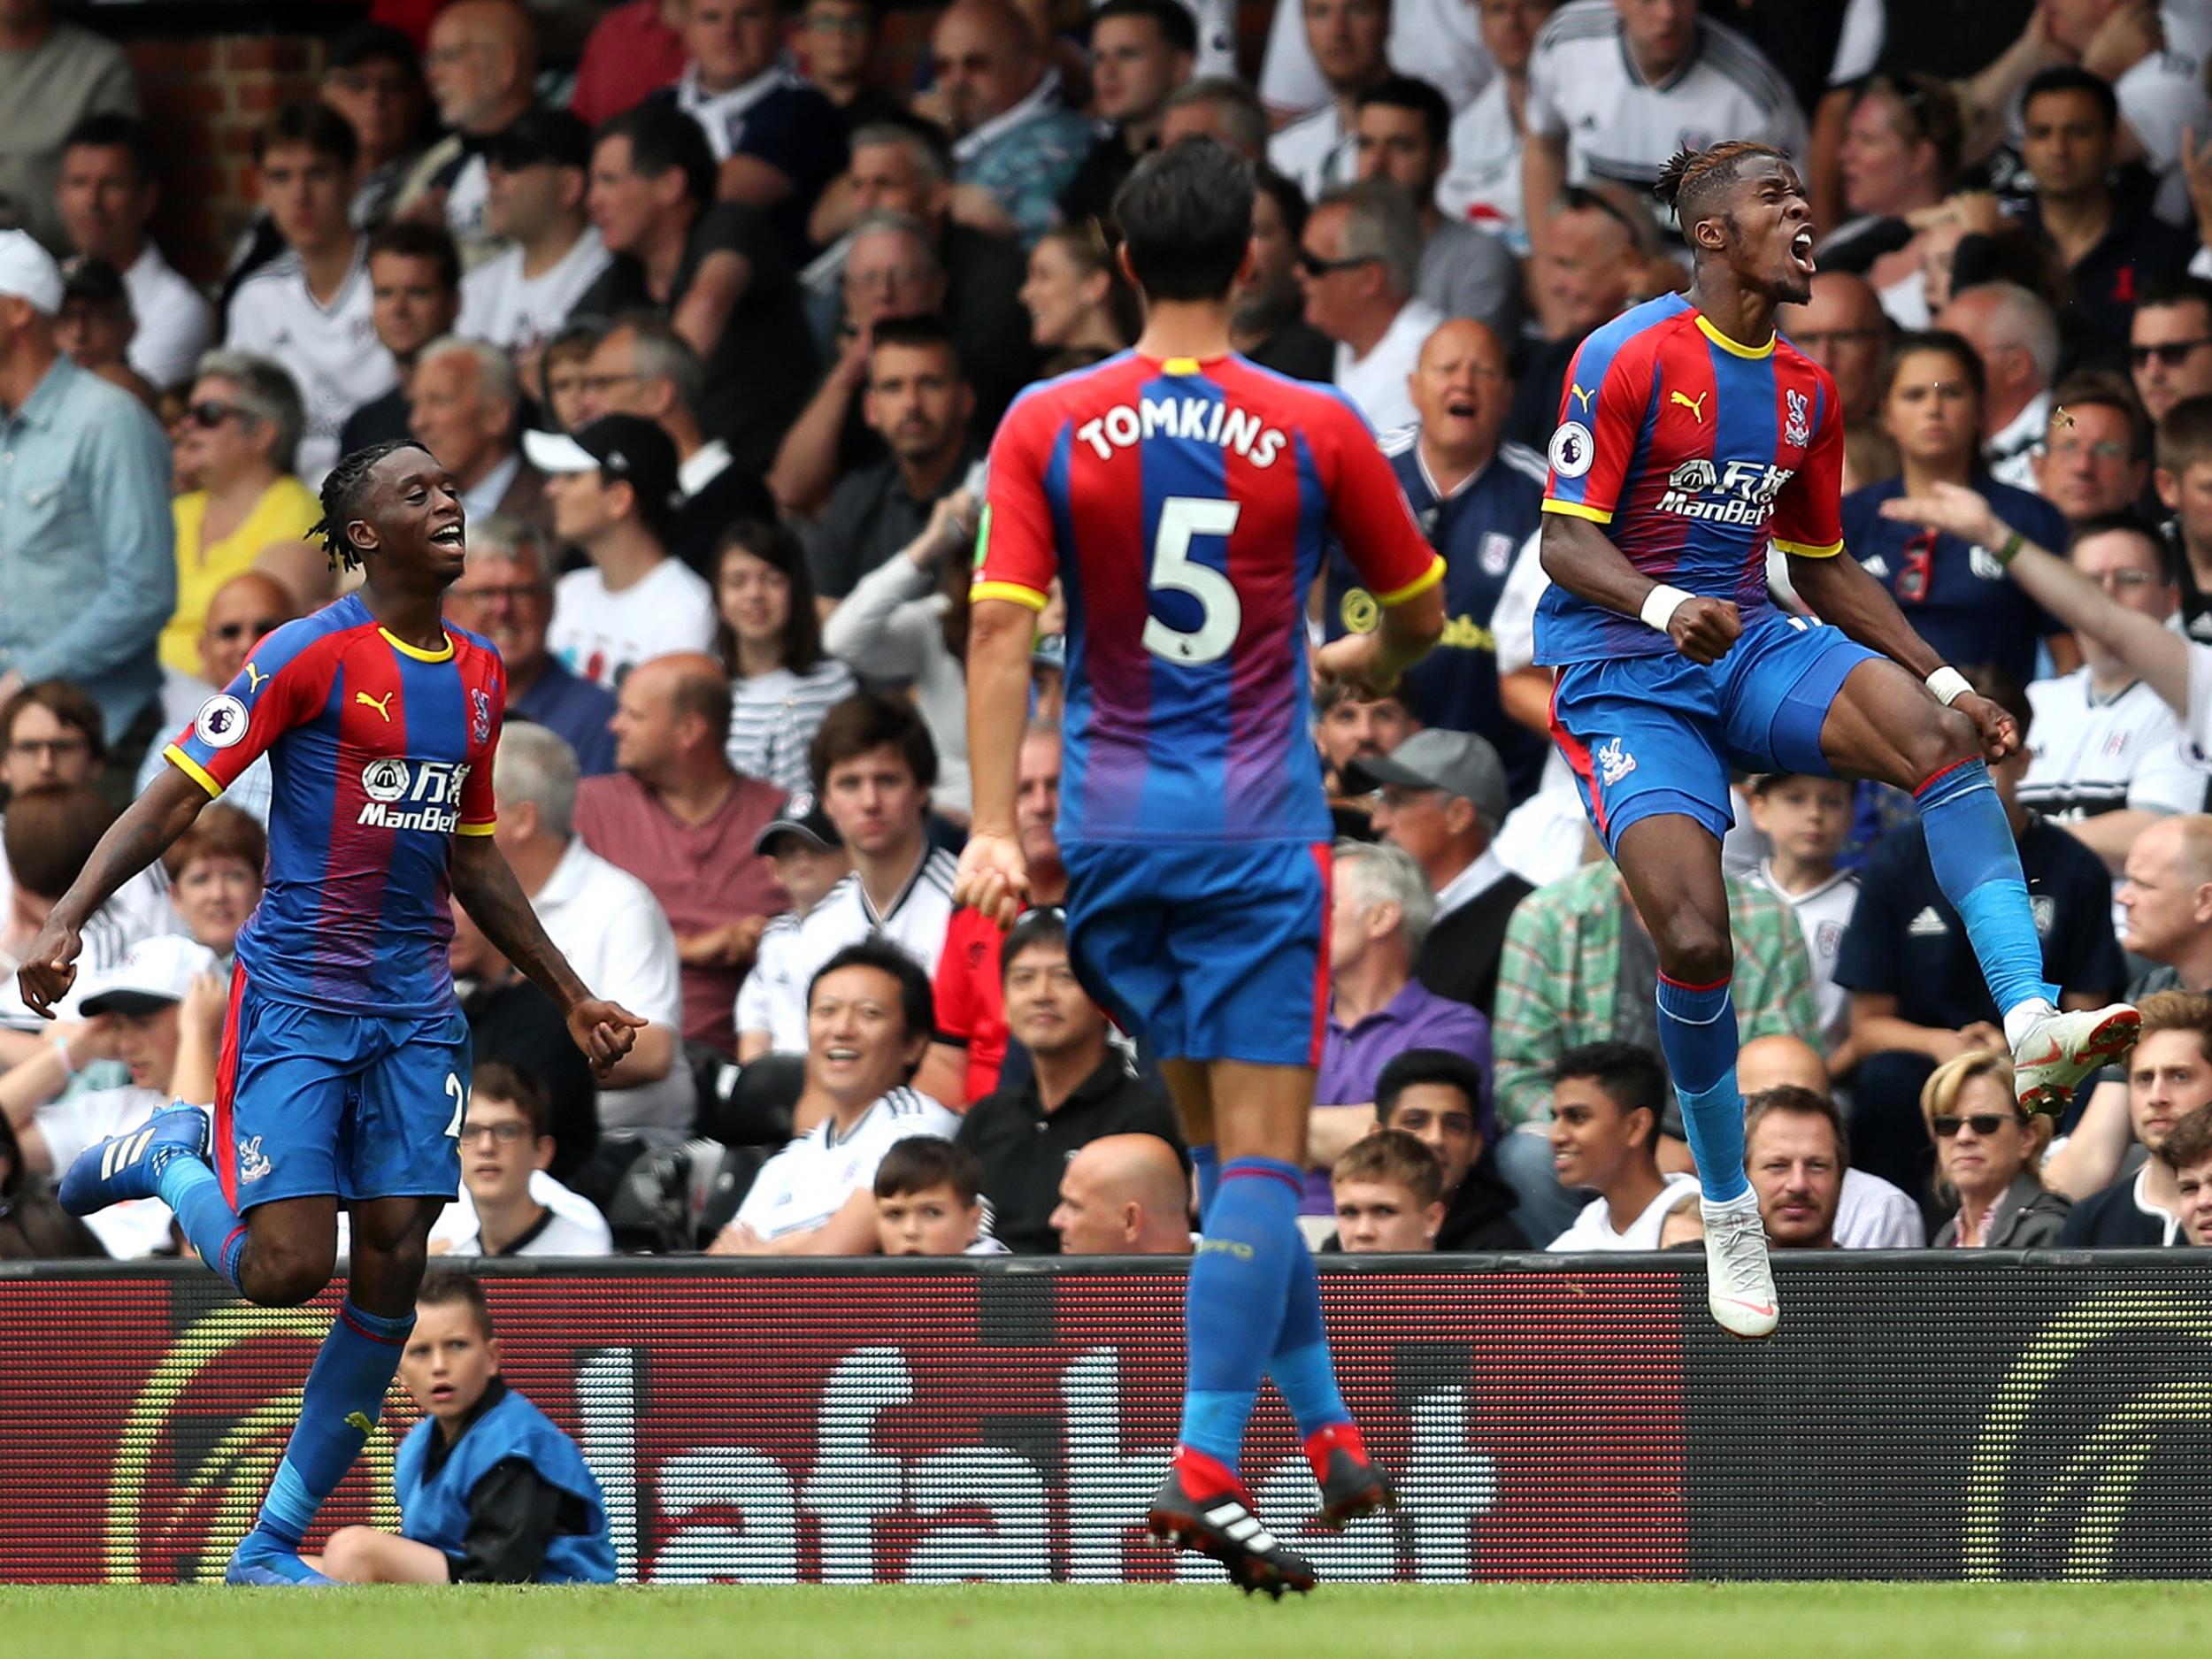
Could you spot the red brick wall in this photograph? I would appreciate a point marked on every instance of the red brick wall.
(204, 98)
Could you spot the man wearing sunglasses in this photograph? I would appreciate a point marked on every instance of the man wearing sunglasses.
(247, 607)
(2170, 343)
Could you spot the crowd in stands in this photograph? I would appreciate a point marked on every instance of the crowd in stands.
(713, 324)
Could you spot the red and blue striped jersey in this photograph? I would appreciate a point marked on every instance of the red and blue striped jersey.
(378, 754)
(1186, 507)
(1694, 452)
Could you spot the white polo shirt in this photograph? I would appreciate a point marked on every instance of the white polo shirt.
(519, 312)
(1872, 1214)
(809, 1181)
(175, 322)
(915, 921)
(601, 636)
(330, 351)
(766, 1000)
(1316, 151)
(614, 933)
(73, 1123)
(571, 1224)
(1376, 383)
(1592, 1229)
(1582, 87)
(2089, 755)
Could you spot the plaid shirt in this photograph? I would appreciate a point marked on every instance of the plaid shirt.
(1558, 980)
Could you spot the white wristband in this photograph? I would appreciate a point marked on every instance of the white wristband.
(1661, 603)
(1948, 685)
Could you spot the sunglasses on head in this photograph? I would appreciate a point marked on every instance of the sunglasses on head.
(2171, 355)
(1985, 1124)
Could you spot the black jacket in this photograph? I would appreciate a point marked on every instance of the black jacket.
(1460, 957)
(1025, 1149)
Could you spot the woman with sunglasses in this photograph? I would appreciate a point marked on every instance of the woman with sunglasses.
(235, 444)
(1955, 595)
(1075, 298)
(1988, 1152)
(1899, 153)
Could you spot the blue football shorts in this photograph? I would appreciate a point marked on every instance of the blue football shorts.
(309, 1101)
(1650, 735)
(1212, 951)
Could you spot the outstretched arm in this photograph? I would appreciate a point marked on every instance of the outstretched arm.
(164, 813)
(2144, 643)
(496, 903)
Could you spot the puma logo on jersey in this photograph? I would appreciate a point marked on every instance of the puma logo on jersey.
(1583, 394)
(1695, 405)
(254, 677)
(382, 704)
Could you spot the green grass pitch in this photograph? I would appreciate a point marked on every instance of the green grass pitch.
(995, 1622)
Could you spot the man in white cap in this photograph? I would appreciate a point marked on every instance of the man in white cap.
(137, 1001)
(86, 555)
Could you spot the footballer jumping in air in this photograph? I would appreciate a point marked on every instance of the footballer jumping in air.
(1690, 436)
(345, 1070)
(1184, 498)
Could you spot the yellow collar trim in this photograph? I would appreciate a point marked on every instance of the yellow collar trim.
(416, 651)
(1729, 346)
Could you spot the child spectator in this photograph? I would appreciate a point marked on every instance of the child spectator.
(489, 1491)
(808, 856)
(2189, 1153)
(508, 1204)
(929, 1202)
(1806, 819)
(1389, 1192)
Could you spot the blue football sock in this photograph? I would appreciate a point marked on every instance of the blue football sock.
(189, 1187)
(1233, 1307)
(344, 1395)
(1205, 1163)
(1303, 1373)
(1978, 865)
(1697, 1030)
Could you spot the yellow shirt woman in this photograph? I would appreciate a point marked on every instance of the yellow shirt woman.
(287, 511)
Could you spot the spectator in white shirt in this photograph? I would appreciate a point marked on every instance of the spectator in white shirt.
(1806, 819)
(1361, 259)
(467, 409)
(1796, 1152)
(535, 173)
(137, 1001)
(1607, 1101)
(414, 296)
(106, 195)
(482, 66)
(308, 309)
(1400, 133)
(929, 1201)
(868, 1026)
(604, 920)
(613, 488)
(1617, 87)
(2106, 756)
(1871, 1214)
(508, 1204)
(804, 849)
(873, 767)
(2015, 336)
(1348, 40)
(783, 682)
(1482, 184)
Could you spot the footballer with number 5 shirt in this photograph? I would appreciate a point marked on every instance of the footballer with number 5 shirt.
(344, 1069)
(1691, 435)
(1184, 497)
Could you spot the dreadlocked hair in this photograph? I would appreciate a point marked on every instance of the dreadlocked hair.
(342, 493)
(1694, 178)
